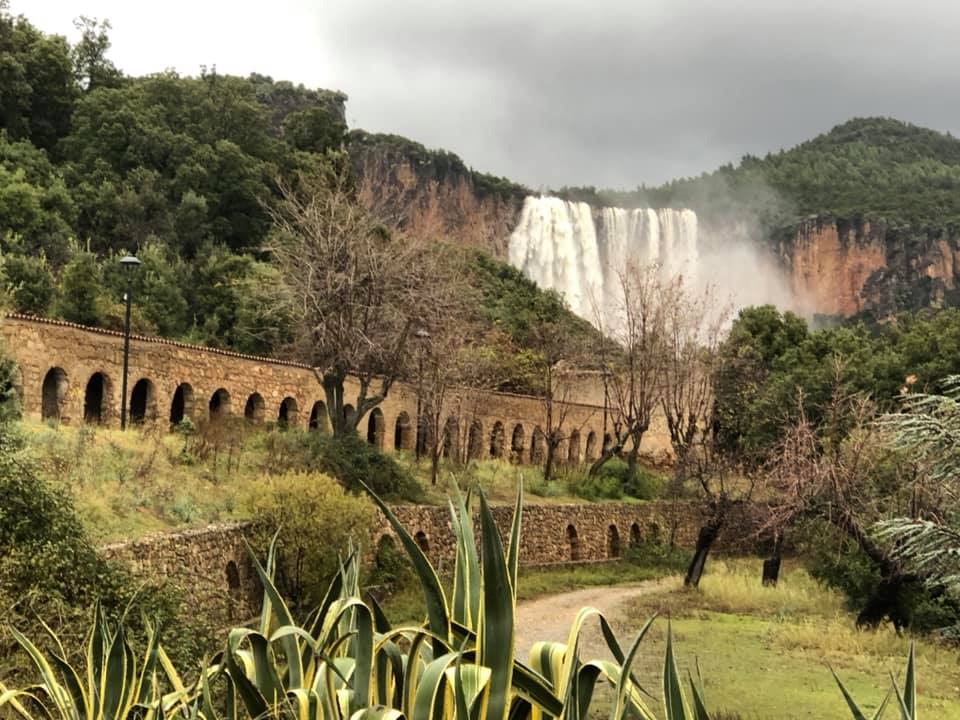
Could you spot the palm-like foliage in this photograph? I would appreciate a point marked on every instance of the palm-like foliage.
(929, 429)
(113, 686)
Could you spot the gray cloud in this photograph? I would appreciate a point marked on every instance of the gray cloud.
(608, 92)
(618, 93)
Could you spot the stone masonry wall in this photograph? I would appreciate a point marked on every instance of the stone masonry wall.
(61, 365)
(212, 567)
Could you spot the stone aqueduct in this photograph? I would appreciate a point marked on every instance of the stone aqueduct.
(71, 374)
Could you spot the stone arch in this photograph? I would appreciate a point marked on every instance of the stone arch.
(288, 414)
(573, 449)
(636, 537)
(497, 439)
(450, 441)
(143, 402)
(181, 407)
(233, 576)
(573, 542)
(653, 533)
(516, 444)
(385, 547)
(590, 454)
(538, 446)
(613, 542)
(219, 406)
(376, 428)
(423, 542)
(318, 417)
(403, 432)
(475, 441)
(255, 409)
(607, 441)
(347, 411)
(53, 398)
(96, 399)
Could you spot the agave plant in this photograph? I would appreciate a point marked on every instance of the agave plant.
(348, 661)
(906, 700)
(113, 685)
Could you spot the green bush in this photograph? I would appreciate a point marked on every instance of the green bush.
(847, 568)
(350, 460)
(50, 569)
(316, 519)
(613, 482)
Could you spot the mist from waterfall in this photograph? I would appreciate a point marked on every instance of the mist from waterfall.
(578, 251)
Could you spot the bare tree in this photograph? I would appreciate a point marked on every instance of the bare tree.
(554, 352)
(695, 325)
(356, 291)
(637, 327)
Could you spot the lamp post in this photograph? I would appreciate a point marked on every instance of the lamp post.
(422, 336)
(129, 264)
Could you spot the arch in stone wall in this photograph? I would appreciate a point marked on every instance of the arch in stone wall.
(219, 406)
(475, 441)
(53, 394)
(181, 406)
(347, 411)
(517, 444)
(450, 440)
(233, 577)
(538, 447)
(289, 413)
(376, 428)
(497, 440)
(143, 402)
(590, 454)
(403, 432)
(386, 547)
(613, 542)
(607, 441)
(636, 537)
(96, 399)
(15, 383)
(573, 543)
(423, 542)
(318, 417)
(255, 409)
(573, 449)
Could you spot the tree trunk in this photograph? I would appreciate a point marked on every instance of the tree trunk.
(771, 566)
(705, 539)
(548, 465)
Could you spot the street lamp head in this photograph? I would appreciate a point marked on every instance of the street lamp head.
(129, 262)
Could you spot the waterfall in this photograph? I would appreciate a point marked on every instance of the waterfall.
(569, 247)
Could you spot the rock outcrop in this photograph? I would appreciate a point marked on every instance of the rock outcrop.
(845, 268)
(433, 194)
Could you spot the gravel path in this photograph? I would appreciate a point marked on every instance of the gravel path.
(549, 617)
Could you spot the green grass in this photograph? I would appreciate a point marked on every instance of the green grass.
(765, 652)
(128, 484)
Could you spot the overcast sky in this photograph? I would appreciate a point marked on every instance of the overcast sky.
(606, 92)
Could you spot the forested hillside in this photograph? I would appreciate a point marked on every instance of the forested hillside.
(867, 168)
(180, 170)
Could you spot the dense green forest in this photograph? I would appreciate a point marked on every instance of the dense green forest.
(181, 171)
(867, 168)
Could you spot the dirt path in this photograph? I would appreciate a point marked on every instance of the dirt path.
(550, 617)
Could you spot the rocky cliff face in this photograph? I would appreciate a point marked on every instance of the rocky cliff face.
(434, 195)
(843, 268)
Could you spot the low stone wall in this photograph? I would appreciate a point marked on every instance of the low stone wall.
(212, 567)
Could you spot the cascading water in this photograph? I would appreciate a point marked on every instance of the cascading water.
(558, 245)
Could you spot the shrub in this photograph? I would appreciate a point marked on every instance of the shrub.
(316, 520)
(50, 569)
(350, 460)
